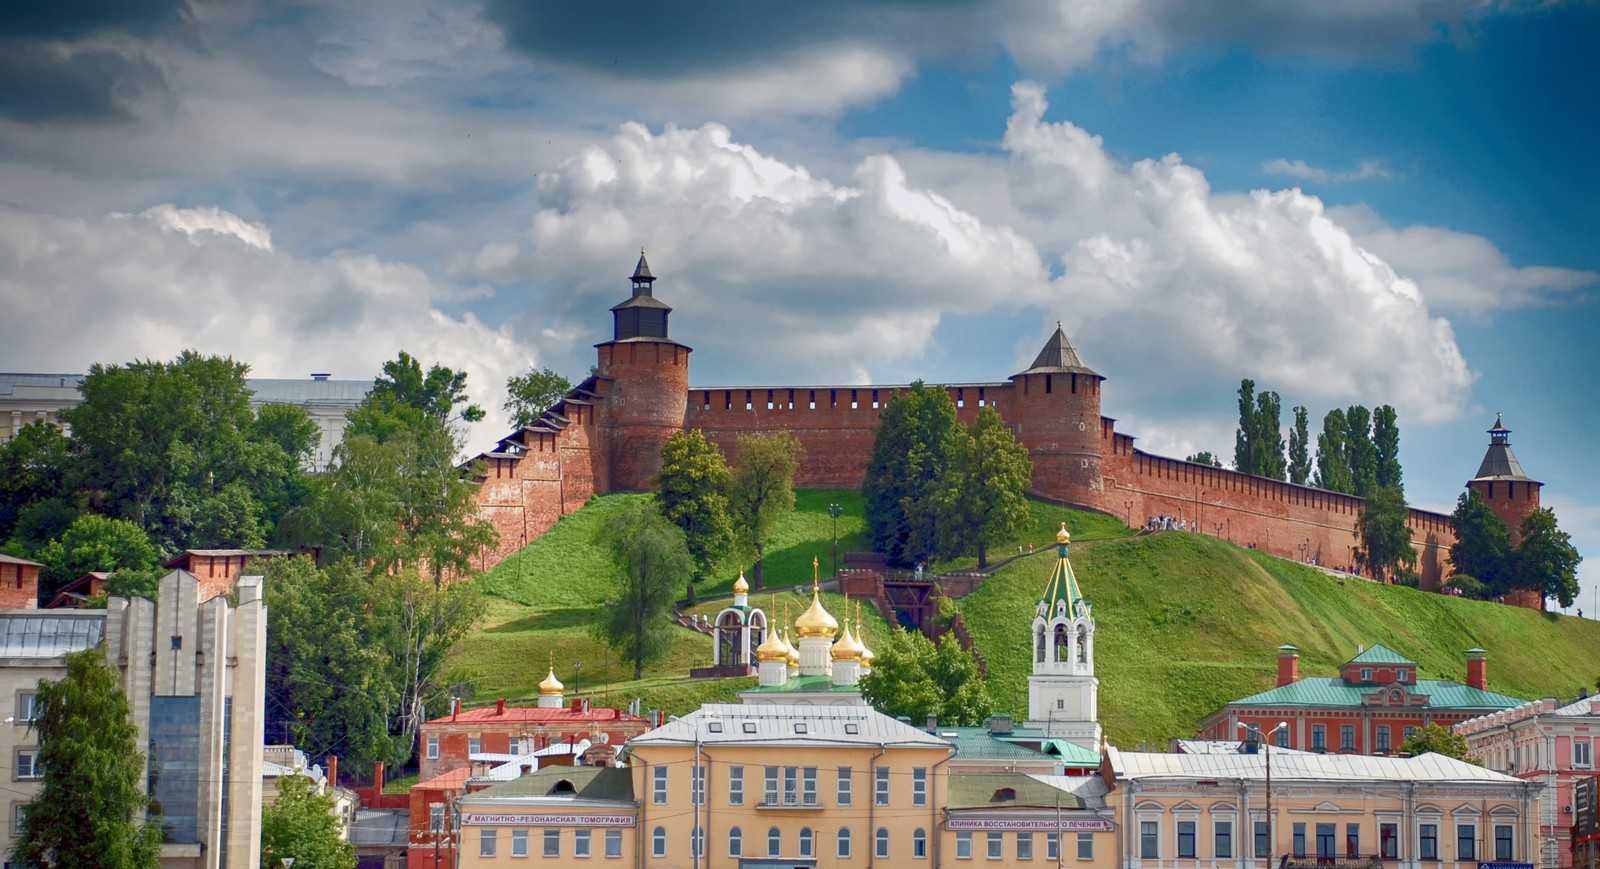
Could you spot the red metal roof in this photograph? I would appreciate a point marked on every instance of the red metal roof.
(536, 715)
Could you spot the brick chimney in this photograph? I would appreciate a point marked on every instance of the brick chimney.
(1478, 669)
(500, 706)
(333, 770)
(377, 777)
(1288, 665)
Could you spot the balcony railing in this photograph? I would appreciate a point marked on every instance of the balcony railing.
(789, 801)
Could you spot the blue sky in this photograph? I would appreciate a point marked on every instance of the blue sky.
(1349, 202)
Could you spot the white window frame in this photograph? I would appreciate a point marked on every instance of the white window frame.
(735, 785)
(843, 844)
(27, 767)
(1052, 845)
(769, 792)
(808, 842)
(488, 841)
(659, 787)
(808, 786)
(697, 784)
(919, 786)
(474, 745)
(1582, 753)
(994, 846)
(919, 844)
(964, 845)
(1024, 846)
(735, 842)
(846, 780)
(1085, 839)
(613, 843)
(880, 843)
(581, 845)
(658, 842)
(552, 843)
(433, 746)
(519, 842)
(880, 788)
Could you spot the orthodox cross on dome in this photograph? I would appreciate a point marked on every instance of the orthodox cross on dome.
(1063, 584)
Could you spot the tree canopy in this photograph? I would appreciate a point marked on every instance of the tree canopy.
(910, 455)
(1299, 448)
(915, 677)
(693, 495)
(1483, 544)
(1258, 441)
(983, 495)
(94, 542)
(1438, 740)
(761, 490)
(300, 823)
(654, 561)
(531, 394)
(90, 809)
(1546, 561)
(1384, 538)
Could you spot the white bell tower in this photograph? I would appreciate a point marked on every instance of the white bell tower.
(1063, 693)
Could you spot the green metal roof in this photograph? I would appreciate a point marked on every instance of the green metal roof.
(983, 790)
(1442, 694)
(977, 743)
(808, 684)
(1063, 585)
(588, 783)
(1072, 754)
(1381, 654)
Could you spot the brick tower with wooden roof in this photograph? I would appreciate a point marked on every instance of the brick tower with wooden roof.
(1509, 492)
(644, 382)
(1056, 414)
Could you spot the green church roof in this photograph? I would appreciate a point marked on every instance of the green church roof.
(1063, 585)
(1442, 694)
(1381, 654)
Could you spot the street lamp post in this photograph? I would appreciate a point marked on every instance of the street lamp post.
(1129, 506)
(1266, 748)
(1304, 548)
(1217, 526)
(834, 510)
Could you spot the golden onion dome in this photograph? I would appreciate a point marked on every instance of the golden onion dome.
(551, 685)
(772, 649)
(848, 648)
(816, 621)
(1062, 536)
(867, 657)
(740, 586)
(794, 654)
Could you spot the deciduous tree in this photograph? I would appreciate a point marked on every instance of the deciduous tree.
(1267, 449)
(1383, 536)
(34, 467)
(984, 494)
(1436, 739)
(90, 811)
(654, 560)
(1546, 561)
(94, 542)
(300, 823)
(1204, 457)
(914, 677)
(761, 490)
(910, 454)
(1360, 452)
(693, 495)
(1244, 436)
(1483, 545)
(531, 394)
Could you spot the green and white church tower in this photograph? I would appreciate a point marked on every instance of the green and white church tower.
(1063, 693)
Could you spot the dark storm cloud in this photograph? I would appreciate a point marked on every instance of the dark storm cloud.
(642, 39)
(48, 74)
(41, 85)
(75, 19)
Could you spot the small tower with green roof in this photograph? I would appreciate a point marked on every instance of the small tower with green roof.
(1063, 692)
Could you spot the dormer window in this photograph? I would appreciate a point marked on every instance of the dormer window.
(1005, 795)
(564, 786)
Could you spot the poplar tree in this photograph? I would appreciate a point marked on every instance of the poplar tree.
(1267, 447)
(1360, 453)
(89, 811)
(1244, 436)
(1299, 449)
(1386, 446)
(1333, 461)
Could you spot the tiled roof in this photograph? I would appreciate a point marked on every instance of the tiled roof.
(1318, 691)
(1301, 767)
(986, 790)
(588, 783)
(1381, 654)
(791, 726)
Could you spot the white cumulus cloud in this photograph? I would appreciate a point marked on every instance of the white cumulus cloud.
(153, 284)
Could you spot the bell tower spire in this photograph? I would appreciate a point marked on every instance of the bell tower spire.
(1063, 692)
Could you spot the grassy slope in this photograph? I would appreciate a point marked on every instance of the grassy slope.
(1186, 622)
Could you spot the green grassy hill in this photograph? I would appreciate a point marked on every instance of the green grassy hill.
(1185, 622)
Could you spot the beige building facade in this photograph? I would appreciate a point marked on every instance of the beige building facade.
(195, 676)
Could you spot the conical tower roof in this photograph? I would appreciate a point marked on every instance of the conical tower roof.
(1500, 463)
(641, 272)
(1063, 584)
(1059, 357)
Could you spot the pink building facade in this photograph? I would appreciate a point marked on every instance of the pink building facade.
(1545, 742)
